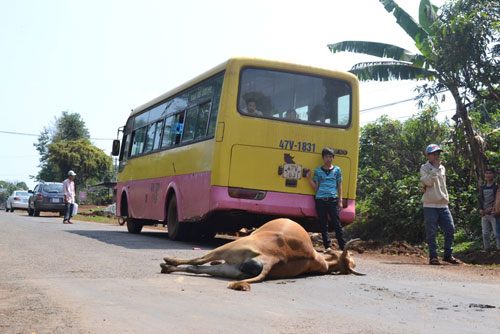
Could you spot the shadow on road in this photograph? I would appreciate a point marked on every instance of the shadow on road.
(147, 240)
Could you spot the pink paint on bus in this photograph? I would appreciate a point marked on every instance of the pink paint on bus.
(147, 199)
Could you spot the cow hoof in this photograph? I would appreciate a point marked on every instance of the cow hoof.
(171, 261)
(240, 286)
(166, 269)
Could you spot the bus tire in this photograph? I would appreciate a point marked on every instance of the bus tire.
(134, 226)
(175, 228)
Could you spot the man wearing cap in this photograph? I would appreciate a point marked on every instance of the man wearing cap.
(69, 196)
(436, 211)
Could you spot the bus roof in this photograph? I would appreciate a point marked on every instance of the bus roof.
(254, 61)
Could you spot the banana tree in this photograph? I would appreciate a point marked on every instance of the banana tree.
(403, 64)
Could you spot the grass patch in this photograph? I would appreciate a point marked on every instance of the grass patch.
(97, 219)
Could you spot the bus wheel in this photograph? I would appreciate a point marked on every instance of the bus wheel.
(175, 228)
(134, 226)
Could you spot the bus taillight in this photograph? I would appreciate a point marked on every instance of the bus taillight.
(247, 193)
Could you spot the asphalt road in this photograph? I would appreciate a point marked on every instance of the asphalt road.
(96, 278)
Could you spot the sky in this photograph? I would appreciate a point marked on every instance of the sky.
(102, 58)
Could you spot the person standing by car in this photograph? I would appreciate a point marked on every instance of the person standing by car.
(69, 196)
(327, 183)
(435, 201)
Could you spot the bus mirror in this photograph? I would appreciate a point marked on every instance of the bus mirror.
(116, 147)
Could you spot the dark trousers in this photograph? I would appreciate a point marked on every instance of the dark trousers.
(68, 212)
(326, 208)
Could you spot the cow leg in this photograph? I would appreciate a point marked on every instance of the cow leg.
(223, 270)
(196, 261)
(244, 285)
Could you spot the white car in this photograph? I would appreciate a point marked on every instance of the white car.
(17, 201)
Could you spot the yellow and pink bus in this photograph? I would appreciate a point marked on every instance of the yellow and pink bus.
(229, 149)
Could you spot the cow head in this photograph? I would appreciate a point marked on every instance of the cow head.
(341, 262)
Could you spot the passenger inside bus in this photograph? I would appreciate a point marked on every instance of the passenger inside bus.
(291, 114)
(251, 108)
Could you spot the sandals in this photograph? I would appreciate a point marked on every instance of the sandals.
(434, 261)
(451, 259)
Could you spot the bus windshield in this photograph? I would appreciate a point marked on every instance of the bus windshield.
(294, 97)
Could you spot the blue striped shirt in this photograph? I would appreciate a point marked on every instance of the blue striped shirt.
(328, 184)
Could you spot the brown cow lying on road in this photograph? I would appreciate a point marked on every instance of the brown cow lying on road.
(280, 248)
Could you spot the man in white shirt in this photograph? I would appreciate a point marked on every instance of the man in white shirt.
(69, 196)
(436, 211)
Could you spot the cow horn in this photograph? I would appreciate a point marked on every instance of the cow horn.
(352, 271)
(344, 253)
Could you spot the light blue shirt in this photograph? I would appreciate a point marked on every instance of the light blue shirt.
(328, 184)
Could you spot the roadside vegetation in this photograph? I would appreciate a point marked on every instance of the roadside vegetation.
(459, 46)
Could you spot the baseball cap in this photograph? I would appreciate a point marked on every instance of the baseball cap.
(71, 173)
(433, 148)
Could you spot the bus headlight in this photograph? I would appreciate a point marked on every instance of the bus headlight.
(247, 193)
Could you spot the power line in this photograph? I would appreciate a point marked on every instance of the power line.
(35, 135)
(387, 105)
(407, 116)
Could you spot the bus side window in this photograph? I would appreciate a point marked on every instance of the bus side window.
(179, 127)
(190, 124)
(159, 128)
(171, 131)
(215, 106)
(201, 125)
(150, 137)
(125, 147)
(138, 137)
(168, 130)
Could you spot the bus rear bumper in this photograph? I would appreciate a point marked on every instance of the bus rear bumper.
(274, 204)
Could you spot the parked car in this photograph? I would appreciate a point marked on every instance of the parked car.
(17, 201)
(48, 197)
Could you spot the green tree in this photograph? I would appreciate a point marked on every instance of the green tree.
(90, 163)
(389, 187)
(431, 39)
(69, 126)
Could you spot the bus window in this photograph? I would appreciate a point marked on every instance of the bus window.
(276, 94)
(215, 106)
(201, 125)
(150, 137)
(190, 124)
(159, 128)
(171, 133)
(138, 141)
(125, 147)
(157, 112)
(141, 120)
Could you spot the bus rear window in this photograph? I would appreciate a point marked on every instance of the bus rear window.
(294, 97)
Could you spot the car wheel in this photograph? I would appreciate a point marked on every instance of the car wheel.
(36, 212)
(30, 211)
(11, 209)
(176, 230)
(134, 226)
(6, 208)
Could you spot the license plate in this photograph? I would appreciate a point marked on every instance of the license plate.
(292, 171)
(55, 200)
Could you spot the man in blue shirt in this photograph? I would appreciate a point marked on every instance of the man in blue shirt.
(327, 184)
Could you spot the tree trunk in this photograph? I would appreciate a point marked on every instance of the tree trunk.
(476, 142)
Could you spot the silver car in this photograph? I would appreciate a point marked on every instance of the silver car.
(17, 201)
